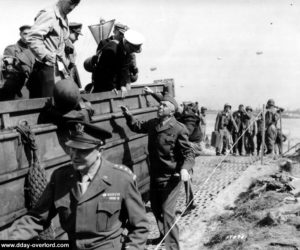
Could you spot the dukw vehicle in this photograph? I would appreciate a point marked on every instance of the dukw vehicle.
(125, 147)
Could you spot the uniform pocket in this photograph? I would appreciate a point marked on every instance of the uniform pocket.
(107, 215)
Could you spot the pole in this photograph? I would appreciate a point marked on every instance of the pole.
(281, 141)
(263, 136)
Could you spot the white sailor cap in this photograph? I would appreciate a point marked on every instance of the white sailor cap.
(134, 37)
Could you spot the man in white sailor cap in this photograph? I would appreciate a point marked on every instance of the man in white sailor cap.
(112, 70)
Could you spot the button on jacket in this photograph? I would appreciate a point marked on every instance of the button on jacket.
(96, 219)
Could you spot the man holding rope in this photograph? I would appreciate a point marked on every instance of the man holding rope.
(171, 157)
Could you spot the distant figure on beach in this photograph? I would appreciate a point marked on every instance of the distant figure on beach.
(240, 117)
(272, 117)
(223, 123)
(251, 131)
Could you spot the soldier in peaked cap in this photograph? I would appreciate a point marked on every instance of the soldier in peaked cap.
(171, 157)
(95, 199)
(75, 31)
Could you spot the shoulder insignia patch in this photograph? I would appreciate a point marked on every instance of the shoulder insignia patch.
(126, 170)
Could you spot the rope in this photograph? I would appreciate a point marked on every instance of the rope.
(207, 179)
(36, 178)
(296, 145)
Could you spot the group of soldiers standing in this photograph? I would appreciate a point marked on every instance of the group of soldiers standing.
(241, 132)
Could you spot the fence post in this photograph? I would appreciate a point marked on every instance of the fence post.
(263, 135)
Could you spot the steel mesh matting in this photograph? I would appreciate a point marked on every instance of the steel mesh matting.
(207, 182)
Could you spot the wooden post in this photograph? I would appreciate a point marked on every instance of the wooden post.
(263, 135)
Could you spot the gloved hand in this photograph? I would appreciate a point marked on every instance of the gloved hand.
(184, 175)
(148, 90)
(123, 91)
(125, 110)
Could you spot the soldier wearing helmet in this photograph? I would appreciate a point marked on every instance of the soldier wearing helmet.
(271, 119)
(223, 123)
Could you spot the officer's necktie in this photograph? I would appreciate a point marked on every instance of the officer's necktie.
(83, 185)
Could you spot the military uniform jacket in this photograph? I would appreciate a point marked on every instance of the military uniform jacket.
(169, 147)
(24, 56)
(49, 34)
(251, 125)
(224, 120)
(192, 123)
(271, 117)
(96, 219)
(112, 69)
(241, 119)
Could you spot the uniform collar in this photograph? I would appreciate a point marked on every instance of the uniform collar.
(99, 183)
(64, 21)
(22, 44)
(166, 125)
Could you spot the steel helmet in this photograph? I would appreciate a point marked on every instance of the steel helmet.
(270, 102)
(66, 94)
(89, 64)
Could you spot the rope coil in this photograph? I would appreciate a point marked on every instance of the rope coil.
(36, 179)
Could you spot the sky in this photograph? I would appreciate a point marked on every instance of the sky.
(217, 51)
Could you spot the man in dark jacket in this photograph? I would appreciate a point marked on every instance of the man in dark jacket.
(271, 118)
(95, 199)
(18, 62)
(171, 157)
(240, 117)
(112, 69)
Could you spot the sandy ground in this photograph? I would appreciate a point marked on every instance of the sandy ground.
(193, 237)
